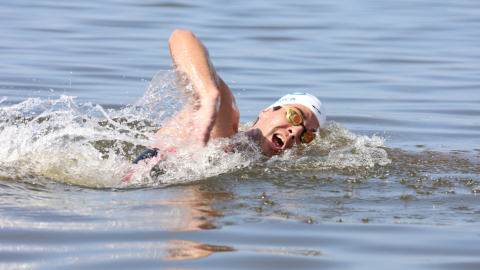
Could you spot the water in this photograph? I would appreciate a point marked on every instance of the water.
(393, 180)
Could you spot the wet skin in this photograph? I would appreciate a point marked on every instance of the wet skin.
(218, 115)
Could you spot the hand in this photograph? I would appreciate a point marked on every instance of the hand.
(205, 117)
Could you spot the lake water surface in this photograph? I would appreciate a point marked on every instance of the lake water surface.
(393, 180)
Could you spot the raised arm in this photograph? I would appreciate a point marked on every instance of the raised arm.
(190, 55)
(218, 115)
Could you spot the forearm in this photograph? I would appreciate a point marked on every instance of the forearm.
(191, 56)
(217, 115)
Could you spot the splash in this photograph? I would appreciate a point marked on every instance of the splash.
(348, 150)
(336, 148)
(86, 144)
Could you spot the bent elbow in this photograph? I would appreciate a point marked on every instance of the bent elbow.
(179, 34)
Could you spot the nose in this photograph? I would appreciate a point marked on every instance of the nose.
(295, 133)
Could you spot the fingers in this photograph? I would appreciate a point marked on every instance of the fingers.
(204, 127)
(205, 120)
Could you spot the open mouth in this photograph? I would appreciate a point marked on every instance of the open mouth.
(278, 141)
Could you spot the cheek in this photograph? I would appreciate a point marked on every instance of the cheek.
(273, 123)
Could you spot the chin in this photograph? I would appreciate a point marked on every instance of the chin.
(268, 151)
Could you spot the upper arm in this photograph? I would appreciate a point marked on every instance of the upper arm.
(228, 117)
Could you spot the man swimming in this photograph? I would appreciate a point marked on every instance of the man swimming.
(292, 120)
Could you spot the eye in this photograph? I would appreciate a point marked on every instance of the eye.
(308, 137)
(295, 118)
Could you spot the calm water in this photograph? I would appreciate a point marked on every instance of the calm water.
(393, 182)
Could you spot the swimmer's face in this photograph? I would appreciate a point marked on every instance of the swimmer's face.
(275, 133)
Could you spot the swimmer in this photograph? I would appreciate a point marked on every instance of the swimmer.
(292, 120)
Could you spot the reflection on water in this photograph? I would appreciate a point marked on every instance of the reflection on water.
(201, 213)
(187, 250)
(173, 209)
(134, 225)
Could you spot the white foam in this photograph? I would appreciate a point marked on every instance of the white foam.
(85, 144)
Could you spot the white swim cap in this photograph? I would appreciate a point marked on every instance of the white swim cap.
(307, 100)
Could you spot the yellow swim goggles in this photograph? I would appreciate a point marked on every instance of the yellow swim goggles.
(295, 118)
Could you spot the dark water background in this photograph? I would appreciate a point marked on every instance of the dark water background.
(405, 71)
